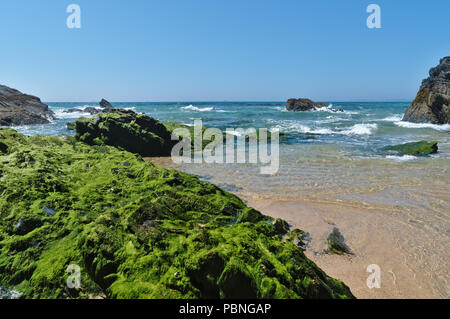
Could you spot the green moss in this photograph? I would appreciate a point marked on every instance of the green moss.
(71, 126)
(126, 130)
(415, 148)
(136, 231)
(236, 281)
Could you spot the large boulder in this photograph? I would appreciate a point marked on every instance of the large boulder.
(136, 133)
(432, 104)
(136, 231)
(17, 108)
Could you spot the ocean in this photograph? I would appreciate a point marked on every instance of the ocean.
(324, 153)
(335, 159)
(362, 129)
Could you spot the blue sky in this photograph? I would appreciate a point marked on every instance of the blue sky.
(211, 50)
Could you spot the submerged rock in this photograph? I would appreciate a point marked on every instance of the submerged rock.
(432, 103)
(157, 234)
(415, 148)
(137, 133)
(17, 108)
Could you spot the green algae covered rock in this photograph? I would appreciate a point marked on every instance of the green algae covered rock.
(336, 243)
(415, 148)
(136, 231)
(127, 130)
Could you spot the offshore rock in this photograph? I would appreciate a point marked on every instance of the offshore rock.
(303, 105)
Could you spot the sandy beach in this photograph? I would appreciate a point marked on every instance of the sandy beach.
(407, 270)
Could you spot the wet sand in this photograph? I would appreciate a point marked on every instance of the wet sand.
(373, 237)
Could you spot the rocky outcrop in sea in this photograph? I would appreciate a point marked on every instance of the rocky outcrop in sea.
(17, 108)
(302, 105)
(105, 107)
(432, 103)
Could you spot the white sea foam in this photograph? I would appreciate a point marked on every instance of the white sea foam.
(330, 109)
(299, 128)
(331, 119)
(61, 114)
(279, 108)
(403, 158)
(357, 129)
(438, 127)
(393, 118)
(360, 129)
(197, 109)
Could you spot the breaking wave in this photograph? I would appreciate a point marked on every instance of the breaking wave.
(357, 129)
(197, 109)
(438, 127)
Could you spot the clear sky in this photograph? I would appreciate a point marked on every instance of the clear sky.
(215, 50)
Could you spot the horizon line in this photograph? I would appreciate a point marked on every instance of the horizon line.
(232, 101)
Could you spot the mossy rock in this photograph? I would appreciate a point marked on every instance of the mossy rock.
(127, 130)
(336, 243)
(136, 231)
(415, 148)
(237, 282)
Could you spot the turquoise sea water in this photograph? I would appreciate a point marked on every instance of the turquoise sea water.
(362, 129)
(326, 154)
